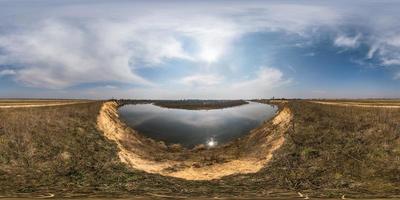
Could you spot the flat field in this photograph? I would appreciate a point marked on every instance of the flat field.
(388, 103)
(13, 103)
(330, 150)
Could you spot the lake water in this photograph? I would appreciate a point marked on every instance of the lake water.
(192, 127)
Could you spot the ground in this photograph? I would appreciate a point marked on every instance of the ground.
(330, 150)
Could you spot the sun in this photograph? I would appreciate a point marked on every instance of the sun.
(210, 55)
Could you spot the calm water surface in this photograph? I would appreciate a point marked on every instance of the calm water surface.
(192, 127)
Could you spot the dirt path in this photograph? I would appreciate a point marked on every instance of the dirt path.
(136, 150)
(358, 104)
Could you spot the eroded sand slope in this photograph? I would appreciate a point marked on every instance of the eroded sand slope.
(245, 155)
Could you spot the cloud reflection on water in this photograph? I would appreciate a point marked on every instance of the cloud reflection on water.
(192, 127)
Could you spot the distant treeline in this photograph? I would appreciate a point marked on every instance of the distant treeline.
(191, 104)
(200, 104)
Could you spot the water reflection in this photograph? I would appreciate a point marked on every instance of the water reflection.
(211, 142)
(192, 127)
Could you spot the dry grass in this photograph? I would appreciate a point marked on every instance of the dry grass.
(347, 149)
(328, 151)
(25, 103)
(361, 103)
(52, 146)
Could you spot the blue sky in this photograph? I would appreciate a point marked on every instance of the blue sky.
(207, 49)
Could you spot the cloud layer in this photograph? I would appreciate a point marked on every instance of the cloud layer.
(62, 50)
(59, 46)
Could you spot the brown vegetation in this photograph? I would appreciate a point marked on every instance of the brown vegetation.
(199, 104)
(27, 103)
(362, 103)
(328, 151)
(347, 149)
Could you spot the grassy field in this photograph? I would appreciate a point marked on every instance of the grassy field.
(362, 102)
(11, 103)
(333, 148)
(329, 151)
(372, 101)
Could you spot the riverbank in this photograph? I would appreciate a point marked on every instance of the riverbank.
(199, 104)
(200, 163)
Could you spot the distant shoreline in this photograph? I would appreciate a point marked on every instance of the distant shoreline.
(200, 104)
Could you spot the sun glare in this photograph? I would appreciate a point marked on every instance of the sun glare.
(212, 142)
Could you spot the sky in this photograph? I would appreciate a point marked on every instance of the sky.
(226, 49)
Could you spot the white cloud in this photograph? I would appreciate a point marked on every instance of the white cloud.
(202, 80)
(57, 46)
(64, 48)
(58, 55)
(391, 61)
(393, 41)
(267, 82)
(6, 72)
(372, 50)
(389, 50)
(264, 83)
(266, 78)
(348, 42)
(108, 42)
(110, 87)
(386, 49)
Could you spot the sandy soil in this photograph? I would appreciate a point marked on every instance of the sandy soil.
(255, 150)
